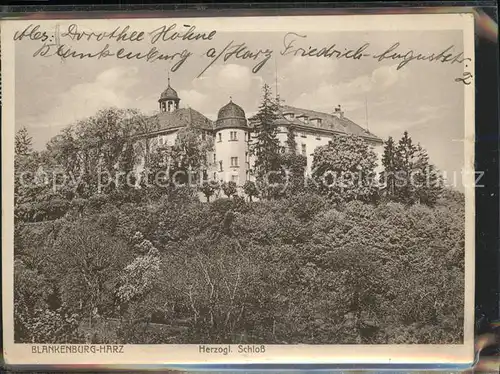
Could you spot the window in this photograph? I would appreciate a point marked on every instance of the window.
(220, 137)
(246, 156)
(203, 135)
(234, 161)
(215, 158)
(304, 152)
(232, 136)
(160, 140)
(234, 178)
(215, 175)
(220, 165)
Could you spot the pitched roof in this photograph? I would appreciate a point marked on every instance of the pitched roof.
(183, 117)
(328, 123)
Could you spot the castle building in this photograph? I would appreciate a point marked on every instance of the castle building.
(233, 134)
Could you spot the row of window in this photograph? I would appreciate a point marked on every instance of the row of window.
(234, 160)
(234, 178)
(233, 136)
(303, 118)
(234, 163)
(304, 135)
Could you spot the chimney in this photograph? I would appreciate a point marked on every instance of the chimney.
(338, 112)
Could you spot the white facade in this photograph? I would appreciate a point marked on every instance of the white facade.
(231, 152)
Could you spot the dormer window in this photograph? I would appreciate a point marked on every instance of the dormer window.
(289, 115)
(303, 118)
(316, 121)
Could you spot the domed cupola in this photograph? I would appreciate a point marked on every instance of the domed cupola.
(169, 100)
(231, 115)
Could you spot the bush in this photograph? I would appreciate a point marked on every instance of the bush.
(298, 270)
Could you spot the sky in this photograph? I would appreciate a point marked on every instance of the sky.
(422, 98)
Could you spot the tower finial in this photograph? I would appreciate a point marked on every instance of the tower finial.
(230, 99)
(168, 75)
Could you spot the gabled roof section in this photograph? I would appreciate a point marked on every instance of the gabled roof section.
(183, 117)
(329, 122)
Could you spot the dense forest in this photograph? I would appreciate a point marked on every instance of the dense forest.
(294, 258)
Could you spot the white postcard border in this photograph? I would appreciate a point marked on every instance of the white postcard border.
(16, 354)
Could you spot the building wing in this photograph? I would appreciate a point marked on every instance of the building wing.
(323, 122)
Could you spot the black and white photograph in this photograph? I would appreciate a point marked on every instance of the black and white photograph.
(239, 183)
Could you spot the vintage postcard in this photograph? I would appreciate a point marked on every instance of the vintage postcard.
(238, 190)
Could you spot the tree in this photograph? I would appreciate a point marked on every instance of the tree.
(180, 164)
(64, 149)
(190, 149)
(408, 175)
(250, 189)
(91, 149)
(208, 188)
(159, 171)
(23, 142)
(139, 277)
(428, 183)
(126, 167)
(405, 164)
(102, 138)
(343, 169)
(388, 175)
(142, 127)
(88, 261)
(229, 188)
(293, 166)
(290, 140)
(189, 155)
(266, 147)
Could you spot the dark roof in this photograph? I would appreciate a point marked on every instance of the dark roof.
(169, 94)
(231, 115)
(183, 117)
(329, 122)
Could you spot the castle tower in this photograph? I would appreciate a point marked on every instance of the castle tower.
(231, 151)
(169, 100)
